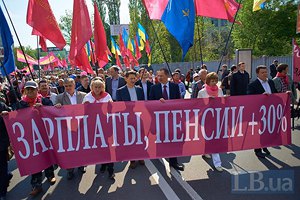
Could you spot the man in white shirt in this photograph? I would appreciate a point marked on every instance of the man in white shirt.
(70, 97)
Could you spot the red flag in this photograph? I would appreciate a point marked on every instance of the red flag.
(126, 61)
(100, 39)
(138, 54)
(81, 34)
(42, 40)
(64, 63)
(123, 49)
(155, 8)
(296, 62)
(298, 20)
(220, 9)
(132, 59)
(118, 62)
(148, 48)
(40, 17)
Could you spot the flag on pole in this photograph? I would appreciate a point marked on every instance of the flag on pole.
(258, 4)
(114, 47)
(138, 54)
(123, 49)
(100, 39)
(155, 8)
(140, 42)
(7, 43)
(219, 9)
(179, 19)
(40, 17)
(80, 35)
(296, 62)
(142, 32)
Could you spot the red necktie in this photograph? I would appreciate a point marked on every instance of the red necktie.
(165, 93)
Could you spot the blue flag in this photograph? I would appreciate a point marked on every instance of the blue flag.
(179, 19)
(7, 43)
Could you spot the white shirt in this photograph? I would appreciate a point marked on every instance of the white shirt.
(266, 86)
(132, 93)
(167, 88)
(203, 93)
(89, 98)
(73, 98)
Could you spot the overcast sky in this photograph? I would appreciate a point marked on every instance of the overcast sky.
(18, 10)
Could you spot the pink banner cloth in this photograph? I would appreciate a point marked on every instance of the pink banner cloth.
(87, 134)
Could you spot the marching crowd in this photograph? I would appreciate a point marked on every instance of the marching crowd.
(73, 87)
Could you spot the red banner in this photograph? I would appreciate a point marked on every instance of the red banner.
(110, 132)
(296, 62)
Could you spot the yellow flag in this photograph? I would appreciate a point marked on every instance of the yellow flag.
(257, 4)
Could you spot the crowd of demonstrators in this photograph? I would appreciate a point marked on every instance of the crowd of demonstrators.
(75, 87)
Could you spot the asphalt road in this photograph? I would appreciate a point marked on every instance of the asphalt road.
(279, 173)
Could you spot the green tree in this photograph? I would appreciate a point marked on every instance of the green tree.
(268, 31)
(65, 24)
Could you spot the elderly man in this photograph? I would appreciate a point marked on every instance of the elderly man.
(70, 97)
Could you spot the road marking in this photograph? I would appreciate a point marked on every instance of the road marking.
(193, 194)
(162, 183)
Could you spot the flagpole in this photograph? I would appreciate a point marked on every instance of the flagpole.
(160, 46)
(18, 39)
(228, 38)
(11, 85)
(38, 55)
(93, 58)
(200, 44)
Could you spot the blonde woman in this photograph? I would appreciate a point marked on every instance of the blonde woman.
(211, 90)
(98, 95)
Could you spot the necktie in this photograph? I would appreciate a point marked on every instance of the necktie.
(165, 93)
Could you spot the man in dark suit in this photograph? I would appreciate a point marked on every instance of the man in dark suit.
(262, 85)
(239, 81)
(144, 83)
(131, 92)
(162, 91)
(114, 82)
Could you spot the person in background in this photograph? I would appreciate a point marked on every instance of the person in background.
(284, 82)
(44, 90)
(211, 90)
(60, 87)
(225, 85)
(98, 95)
(273, 68)
(144, 82)
(114, 82)
(239, 81)
(4, 143)
(84, 80)
(176, 79)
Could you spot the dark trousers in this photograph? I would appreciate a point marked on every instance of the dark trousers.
(259, 150)
(37, 178)
(3, 173)
(109, 166)
(173, 161)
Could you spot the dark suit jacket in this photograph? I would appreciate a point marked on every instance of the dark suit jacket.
(238, 83)
(256, 88)
(108, 84)
(149, 84)
(156, 91)
(123, 94)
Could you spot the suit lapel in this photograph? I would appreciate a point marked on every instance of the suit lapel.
(66, 100)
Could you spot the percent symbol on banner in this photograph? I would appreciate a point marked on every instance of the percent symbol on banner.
(282, 119)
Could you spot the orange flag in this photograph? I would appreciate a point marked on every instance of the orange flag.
(40, 17)
(80, 35)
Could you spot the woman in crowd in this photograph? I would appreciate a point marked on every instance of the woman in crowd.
(98, 95)
(211, 90)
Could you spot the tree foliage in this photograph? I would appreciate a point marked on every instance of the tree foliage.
(268, 31)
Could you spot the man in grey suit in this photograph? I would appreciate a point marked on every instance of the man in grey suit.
(70, 97)
(114, 82)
